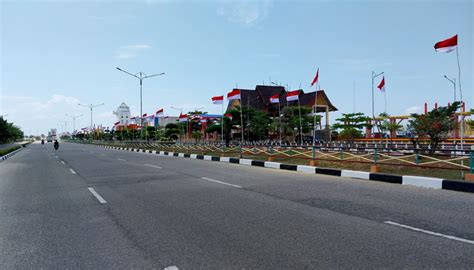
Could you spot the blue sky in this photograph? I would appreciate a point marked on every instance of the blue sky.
(55, 54)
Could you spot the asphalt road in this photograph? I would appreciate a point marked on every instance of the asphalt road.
(84, 207)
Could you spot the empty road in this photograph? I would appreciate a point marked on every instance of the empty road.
(85, 207)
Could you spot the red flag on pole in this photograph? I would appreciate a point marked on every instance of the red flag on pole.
(315, 80)
(275, 98)
(381, 85)
(234, 94)
(447, 45)
(293, 95)
(160, 112)
(218, 100)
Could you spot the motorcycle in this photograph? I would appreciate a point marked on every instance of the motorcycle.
(42, 141)
(56, 145)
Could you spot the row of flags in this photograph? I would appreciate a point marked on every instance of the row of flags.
(447, 46)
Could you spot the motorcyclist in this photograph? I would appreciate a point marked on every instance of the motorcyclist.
(42, 141)
(56, 144)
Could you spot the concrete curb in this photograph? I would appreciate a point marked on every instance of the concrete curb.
(419, 181)
(7, 156)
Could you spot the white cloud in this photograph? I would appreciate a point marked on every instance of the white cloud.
(244, 12)
(413, 109)
(130, 51)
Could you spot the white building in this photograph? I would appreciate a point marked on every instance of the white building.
(123, 114)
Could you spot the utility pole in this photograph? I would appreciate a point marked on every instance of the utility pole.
(74, 116)
(140, 76)
(91, 107)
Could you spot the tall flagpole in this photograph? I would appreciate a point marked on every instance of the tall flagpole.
(222, 123)
(462, 103)
(385, 99)
(301, 129)
(279, 116)
(314, 114)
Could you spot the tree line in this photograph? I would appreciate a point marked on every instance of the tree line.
(9, 132)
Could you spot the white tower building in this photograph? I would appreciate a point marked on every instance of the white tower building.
(123, 114)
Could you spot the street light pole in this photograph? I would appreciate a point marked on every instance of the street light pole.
(453, 81)
(91, 107)
(140, 76)
(74, 120)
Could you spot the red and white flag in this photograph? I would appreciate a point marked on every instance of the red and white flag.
(293, 95)
(228, 115)
(183, 117)
(160, 112)
(315, 80)
(234, 94)
(447, 45)
(275, 98)
(218, 100)
(144, 115)
(203, 120)
(381, 85)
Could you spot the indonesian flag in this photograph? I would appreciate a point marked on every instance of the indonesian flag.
(381, 85)
(218, 100)
(116, 123)
(315, 80)
(160, 112)
(447, 45)
(275, 98)
(144, 115)
(203, 119)
(183, 117)
(228, 115)
(234, 94)
(293, 95)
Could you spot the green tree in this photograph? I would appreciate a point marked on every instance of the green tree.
(435, 125)
(9, 132)
(351, 125)
(290, 121)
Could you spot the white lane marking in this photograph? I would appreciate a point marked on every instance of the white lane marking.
(149, 165)
(102, 155)
(62, 162)
(173, 267)
(220, 182)
(96, 195)
(56, 156)
(430, 232)
(72, 171)
(121, 159)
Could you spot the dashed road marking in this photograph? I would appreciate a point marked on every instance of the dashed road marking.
(96, 195)
(121, 159)
(430, 232)
(171, 268)
(63, 162)
(149, 165)
(72, 171)
(220, 182)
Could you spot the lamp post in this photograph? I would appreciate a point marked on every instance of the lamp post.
(91, 107)
(74, 120)
(140, 76)
(374, 75)
(453, 81)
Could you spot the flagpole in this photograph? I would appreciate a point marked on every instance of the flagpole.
(241, 123)
(314, 114)
(279, 118)
(301, 129)
(222, 124)
(385, 99)
(462, 103)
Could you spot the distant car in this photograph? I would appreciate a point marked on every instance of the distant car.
(49, 140)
